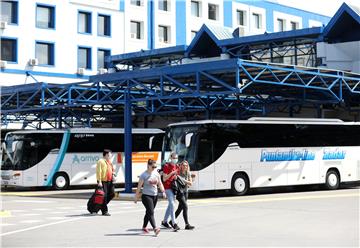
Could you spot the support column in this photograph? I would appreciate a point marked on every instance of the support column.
(127, 142)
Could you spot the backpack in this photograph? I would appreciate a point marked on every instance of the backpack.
(96, 200)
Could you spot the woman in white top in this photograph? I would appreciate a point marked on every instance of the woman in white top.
(150, 181)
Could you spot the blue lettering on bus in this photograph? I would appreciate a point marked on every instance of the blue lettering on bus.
(330, 154)
(85, 158)
(290, 155)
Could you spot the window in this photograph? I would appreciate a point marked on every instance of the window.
(45, 16)
(213, 12)
(103, 25)
(294, 25)
(257, 20)
(136, 2)
(281, 24)
(163, 5)
(84, 57)
(135, 30)
(9, 12)
(101, 54)
(240, 15)
(9, 49)
(164, 34)
(44, 52)
(195, 8)
(193, 34)
(84, 25)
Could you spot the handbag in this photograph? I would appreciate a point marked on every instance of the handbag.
(178, 185)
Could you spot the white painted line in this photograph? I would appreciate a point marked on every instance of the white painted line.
(56, 218)
(30, 221)
(64, 208)
(6, 224)
(59, 212)
(32, 201)
(41, 209)
(32, 214)
(19, 211)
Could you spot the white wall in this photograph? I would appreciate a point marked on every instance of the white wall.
(65, 37)
(165, 18)
(340, 56)
(287, 19)
(194, 23)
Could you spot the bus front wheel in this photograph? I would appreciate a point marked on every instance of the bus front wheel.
(332, 180)
(239, 184)
(61, 181)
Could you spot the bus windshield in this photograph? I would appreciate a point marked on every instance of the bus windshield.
(181, 140)
(22, 151)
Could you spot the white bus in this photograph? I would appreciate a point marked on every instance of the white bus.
(61, 158)
(266, 152)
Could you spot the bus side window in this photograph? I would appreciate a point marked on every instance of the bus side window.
(205, 153)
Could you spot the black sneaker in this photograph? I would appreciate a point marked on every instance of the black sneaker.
(165, 224)
(174, 226)
(189, 227)
(106, 214)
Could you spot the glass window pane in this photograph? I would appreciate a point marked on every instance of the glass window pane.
(195, 8)
(43, 53)
(256, 18)
(163, 5)
(135, 30)
(101, 25)
(8, 50)
(84, 58)
(6, 11)
(43, 17)
(101, 58)
(84, 22)
(240, 17)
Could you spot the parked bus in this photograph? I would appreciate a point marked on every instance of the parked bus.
(61, 158)
(266, 152)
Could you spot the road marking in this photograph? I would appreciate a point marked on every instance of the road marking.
(55, 218)
(18, 211)
(65, 208)
(30, 221)
(5, 213)
(31, 214)
(33, 201)
(6, 224)
(206, 201)
(59, 212)
(41, 209)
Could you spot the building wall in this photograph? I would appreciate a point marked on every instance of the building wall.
(341, 56)
(178, 19)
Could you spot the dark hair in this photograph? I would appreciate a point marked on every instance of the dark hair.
(151, 162)
(106, 151)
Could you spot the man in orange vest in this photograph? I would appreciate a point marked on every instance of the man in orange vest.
(104, 176)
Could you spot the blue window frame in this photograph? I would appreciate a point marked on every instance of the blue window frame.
(84, 22)
(101, 54)
(84, 57)
(44, 52)
(104, 25)
(9, 49)
(9, 11)
(45, 16)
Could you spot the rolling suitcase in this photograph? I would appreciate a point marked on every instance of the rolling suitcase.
(96, 200)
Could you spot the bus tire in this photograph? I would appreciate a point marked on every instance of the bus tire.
(239, 184)
(61, 181)
(332, 180)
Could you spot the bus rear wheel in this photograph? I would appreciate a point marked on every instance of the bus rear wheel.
(239, 184)
(60, 181)
(332, 180)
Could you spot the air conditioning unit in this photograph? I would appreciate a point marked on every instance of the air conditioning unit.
(3, 25)
(3, 64)
(33, 62)
(133, 35)
(102, 71)
(81, 71)
(241, 31)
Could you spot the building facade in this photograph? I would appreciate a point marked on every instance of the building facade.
(67, 41)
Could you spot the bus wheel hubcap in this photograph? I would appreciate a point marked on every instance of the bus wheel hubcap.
(60, 181)
(239, 185)
(332, 180)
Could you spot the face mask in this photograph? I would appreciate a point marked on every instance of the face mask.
(174, 160)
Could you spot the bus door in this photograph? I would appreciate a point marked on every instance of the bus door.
(205, 164)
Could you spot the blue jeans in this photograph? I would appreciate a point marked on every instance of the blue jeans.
(170, 211)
